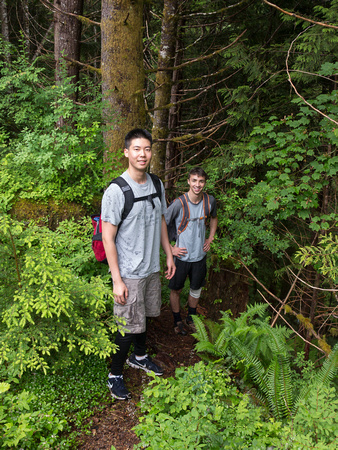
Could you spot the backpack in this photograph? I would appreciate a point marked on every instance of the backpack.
(97, 244)
(172, 232)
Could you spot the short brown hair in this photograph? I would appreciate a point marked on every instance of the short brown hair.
(198, 171)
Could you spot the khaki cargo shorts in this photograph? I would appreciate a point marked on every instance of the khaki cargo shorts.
(144, 300)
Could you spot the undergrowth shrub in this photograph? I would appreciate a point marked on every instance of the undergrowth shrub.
(201, 408)
(22, 426)
(51, 311)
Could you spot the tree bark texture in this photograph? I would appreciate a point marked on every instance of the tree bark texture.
(163, 85)
(67, 36)
(4, 20)
(4, 25)
(122, 71)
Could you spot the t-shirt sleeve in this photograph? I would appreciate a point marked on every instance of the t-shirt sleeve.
(173, 211)
(213, 207)
(163, 200)
(112, 205)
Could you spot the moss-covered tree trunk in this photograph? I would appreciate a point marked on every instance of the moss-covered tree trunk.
(67, 36)
(122, 71)
(163, 85)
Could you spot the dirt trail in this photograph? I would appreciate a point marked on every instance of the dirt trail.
(113, 426)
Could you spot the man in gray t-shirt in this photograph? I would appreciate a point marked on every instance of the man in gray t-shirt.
(191, 247)
(133, 254)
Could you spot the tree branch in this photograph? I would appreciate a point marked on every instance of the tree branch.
(322, 24)
(82, 19)
(294, 87)
(201, 58)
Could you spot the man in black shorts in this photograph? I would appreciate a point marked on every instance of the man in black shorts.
(191, 245)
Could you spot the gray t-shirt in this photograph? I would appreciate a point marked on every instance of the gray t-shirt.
(193, 237)
(138, 238)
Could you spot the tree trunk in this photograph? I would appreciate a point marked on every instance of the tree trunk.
(122, 71)
(67, 37)
(4, 25)
(171, 159)
(163, 85)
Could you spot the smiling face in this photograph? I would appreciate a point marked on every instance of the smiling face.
(139, 154)
(196, 183)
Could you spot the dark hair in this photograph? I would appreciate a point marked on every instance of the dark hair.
(137, 133)
(198, 171)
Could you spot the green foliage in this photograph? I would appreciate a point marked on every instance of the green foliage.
(22, 426)
(50, 411)
(316, 423)
(276, 183)
(75, 394)
(263, 356)
(200, 408)
(50, 313)
(324, 256)
(39, 158)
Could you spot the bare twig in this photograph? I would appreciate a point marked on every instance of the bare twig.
(303, 339)
(297, 16)
(294, 87)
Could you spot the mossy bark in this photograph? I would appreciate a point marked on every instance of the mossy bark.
(166, 56)
(67, 36)
(122, 73)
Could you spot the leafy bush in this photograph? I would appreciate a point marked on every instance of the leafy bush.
(21, 426)
(50, 314)
(39, 158)
(200, 408)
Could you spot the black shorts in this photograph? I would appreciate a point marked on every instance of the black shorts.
(196, 271)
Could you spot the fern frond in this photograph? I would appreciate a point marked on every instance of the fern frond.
(329, 368)
(323, 377)
(279, 394)
(222, 342)
(246, 317)
(201, 332)
(206, 347)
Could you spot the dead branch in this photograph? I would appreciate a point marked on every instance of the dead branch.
(82, 19)
(303, 339)
(297, 16)
(201, 58)
(294, 87)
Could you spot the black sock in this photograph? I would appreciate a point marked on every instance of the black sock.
(177, 318)
(191, 311)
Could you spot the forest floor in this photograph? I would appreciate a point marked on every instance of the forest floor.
(114, 425)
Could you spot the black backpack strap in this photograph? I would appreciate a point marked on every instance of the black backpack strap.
(206, 205)
(186, 213)
(128, 195)
(157, 183)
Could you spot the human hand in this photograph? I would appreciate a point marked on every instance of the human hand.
(206, 246)
(120, 292)
(178, 251)
(171, 268)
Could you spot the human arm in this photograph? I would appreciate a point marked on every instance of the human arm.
(171, 268)
(213, 228)
(108, 238)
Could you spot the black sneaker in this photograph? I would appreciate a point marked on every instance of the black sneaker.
(179, 329)
(117, 387)
(145, 364)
